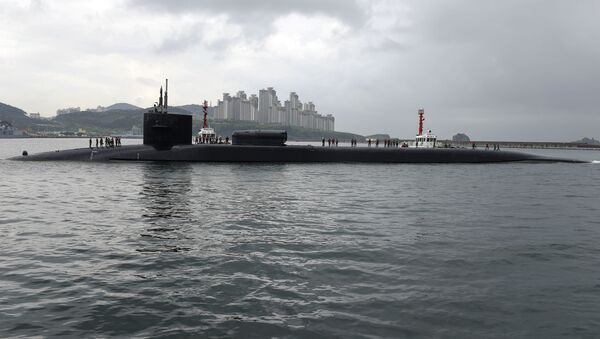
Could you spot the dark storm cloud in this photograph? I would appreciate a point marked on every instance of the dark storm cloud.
(533, 53)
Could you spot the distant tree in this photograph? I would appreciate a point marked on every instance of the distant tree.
(461, 137)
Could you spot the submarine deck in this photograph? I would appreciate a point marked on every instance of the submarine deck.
(298, 154)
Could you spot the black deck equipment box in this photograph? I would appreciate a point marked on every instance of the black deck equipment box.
(259, 137)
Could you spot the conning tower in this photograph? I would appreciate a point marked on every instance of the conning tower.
(163, 130)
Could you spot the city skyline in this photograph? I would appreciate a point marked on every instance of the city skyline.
(267, 108)
(264, 108)
(482, 68)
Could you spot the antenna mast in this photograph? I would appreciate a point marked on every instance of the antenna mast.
(160, 100)
(421, 112)
(166, 90)
(205, 109)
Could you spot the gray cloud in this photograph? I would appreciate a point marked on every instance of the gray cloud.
(255, 17)
(493, 69)
(258, 11)
(511, 60)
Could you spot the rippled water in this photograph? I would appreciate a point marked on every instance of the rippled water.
(298, 250)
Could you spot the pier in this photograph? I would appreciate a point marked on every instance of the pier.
(522, 144)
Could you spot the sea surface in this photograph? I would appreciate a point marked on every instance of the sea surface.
(298, 250)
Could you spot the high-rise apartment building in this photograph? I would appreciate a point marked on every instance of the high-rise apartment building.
(266, 108)
(224, 107)
(268, 105)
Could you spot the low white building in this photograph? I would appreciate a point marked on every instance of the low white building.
(7, 130)
(68, 110)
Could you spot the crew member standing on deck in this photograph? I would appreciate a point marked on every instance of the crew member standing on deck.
(90, 142)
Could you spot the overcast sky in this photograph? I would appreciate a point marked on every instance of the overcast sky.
(510, 69)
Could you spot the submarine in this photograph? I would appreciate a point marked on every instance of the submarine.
(168, 137)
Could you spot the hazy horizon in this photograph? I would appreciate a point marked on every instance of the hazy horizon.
(510, 70)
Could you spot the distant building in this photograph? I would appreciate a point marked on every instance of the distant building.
(35, 115)
(329, 123)
(253, 103)
(266, 108)
(7, 130)
(224, 107)
(97, 109)
(136, 130)
(238, 107)
(68, 110)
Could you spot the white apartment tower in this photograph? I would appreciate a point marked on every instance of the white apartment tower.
(266, 108)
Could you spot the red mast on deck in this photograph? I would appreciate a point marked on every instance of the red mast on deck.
(205, 109)
(421, 112)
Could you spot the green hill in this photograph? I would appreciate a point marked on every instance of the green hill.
(192, 108)
(177, 110)
(101, 122)
(19, 119)
(197, 109)
(120, 121)
(123, 106)
(111, 121)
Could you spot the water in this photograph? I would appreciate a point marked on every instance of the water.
(298, 250)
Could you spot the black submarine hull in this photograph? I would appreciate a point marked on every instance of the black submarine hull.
(288, 154)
